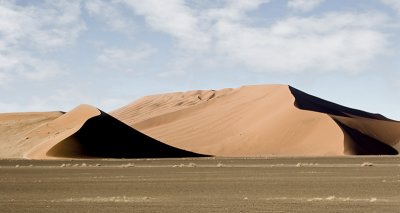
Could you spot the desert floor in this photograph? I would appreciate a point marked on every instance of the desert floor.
(345, 184)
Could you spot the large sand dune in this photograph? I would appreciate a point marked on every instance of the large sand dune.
(249, 121)
(259, 121)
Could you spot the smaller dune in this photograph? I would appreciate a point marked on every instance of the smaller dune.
(86, 132)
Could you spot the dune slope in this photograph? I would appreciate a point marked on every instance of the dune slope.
(14, 130)
(260, 121)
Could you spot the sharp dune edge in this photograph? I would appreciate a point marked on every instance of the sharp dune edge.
(250, 121)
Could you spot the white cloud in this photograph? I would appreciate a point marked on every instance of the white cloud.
(126, 60)
(232, 10)
(192, 27)
(179, 66)
(338, 41)
(29, 32)
(110, 13)
(304, 5)
(333, 42)
(21, 66)
(64, 98)
(395, 4)
(174, 18)
(44, 26)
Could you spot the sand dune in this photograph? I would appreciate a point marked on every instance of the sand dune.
(260, 121)
(86, 132)
(249, 121)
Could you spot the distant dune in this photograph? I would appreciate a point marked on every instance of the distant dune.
(250, 121)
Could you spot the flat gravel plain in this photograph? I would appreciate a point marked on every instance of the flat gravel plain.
(275, 184)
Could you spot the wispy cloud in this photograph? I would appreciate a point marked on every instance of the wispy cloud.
(173, 17)
(395, 4)
(336, 41)
(111, 15)
(67, 97)
(332, 42)
(45, 26)
(126, 60)
(230, 10)
(304, 5)
(29, 32)
(20, 65)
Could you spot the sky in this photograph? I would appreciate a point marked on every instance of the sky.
(55, 55)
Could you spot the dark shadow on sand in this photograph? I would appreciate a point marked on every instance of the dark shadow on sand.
(361, 144)
(104, 136)
(308, 102)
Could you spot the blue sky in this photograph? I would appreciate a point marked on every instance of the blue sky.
(55, 55)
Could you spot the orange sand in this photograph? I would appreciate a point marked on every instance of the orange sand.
(250, 121)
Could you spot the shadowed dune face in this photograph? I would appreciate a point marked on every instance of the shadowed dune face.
(366, 133)
(103, 136)
(362, 144)
(312, 103)
(86, 132)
